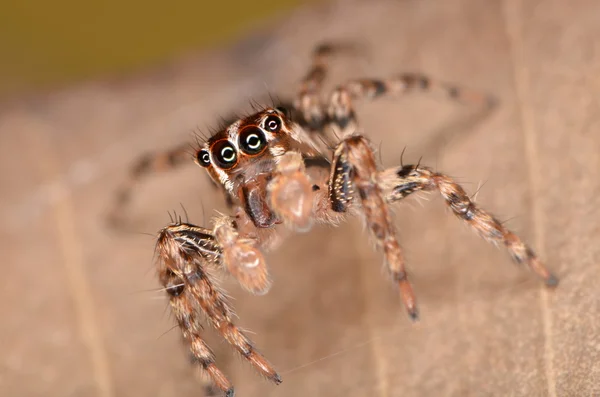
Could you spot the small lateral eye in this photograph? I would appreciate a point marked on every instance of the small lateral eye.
(224, 154)
(252, 140)
(284, 110)
(273, 123)
(203, 158)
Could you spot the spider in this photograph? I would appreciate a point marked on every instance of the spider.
(282, 171)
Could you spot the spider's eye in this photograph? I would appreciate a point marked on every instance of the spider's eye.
(273, 123)
(203, 158)
(224, 154)
(252, 140)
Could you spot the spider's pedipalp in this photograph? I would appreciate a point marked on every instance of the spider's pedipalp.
(291, 192)
(403, 181)
(186, 254)
(241, 258)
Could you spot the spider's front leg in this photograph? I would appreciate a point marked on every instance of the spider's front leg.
(186, 254)
(354, 171)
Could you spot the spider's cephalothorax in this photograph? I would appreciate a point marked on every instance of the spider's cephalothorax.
(244, 157)
(282, 175)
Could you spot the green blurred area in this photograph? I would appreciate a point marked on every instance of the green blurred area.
(46, 43)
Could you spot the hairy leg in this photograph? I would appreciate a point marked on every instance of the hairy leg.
(146, 165)
(340, 110)
(354, 173)
(400, 182)
(308, 100)
(186, 254)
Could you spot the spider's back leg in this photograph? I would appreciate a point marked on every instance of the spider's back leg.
(308, 100)
(145, 166)
(402, 181)
(340, 111)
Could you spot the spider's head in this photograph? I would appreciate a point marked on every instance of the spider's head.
(247, 148)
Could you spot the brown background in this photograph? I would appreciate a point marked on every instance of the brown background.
(77, 320)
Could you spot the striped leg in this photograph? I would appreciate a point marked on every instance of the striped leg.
(340, 110)
(185, 256)
(308, 101)
(401, 182)
(146, 165)
(354, 171)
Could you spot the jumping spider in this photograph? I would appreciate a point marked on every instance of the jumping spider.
(283, 171)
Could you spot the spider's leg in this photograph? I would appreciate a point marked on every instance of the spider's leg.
(354, 172)
(340, 111)
(180, 264)
(400, 182)
(308, 101)
(185, 255)
(146, 165)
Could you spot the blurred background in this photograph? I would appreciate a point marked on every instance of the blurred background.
(47, 44)
(86, 88)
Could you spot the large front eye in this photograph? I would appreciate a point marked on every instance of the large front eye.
(252, 140)
(224, 154)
